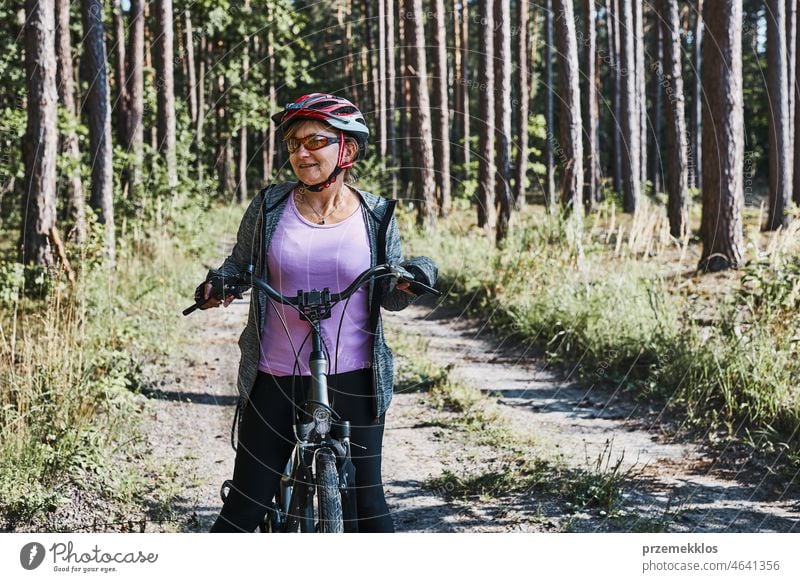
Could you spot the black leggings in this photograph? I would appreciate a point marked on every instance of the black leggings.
(266, 439)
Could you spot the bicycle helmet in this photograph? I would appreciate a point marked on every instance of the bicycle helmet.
(340, 114)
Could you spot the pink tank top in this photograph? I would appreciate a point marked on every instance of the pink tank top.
(304, 256)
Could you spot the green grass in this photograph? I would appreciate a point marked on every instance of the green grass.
(626, 307)
(515, 468)
(73, 358)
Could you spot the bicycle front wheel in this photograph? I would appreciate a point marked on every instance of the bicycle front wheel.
(328, 494)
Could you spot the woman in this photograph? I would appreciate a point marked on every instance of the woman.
(318, 231)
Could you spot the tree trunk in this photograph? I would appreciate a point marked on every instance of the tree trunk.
(272, 94)
(796, 89)
(391, 94)
(590, 110)
(523, 96)
(99, 110)
(40, 148)
(165, 87)
(190, 65)
(382, 80)
(641, 91)
(440, 109)
(571, 146)
(723, 137)
(458, 82)
(421, 147)
(778, 107)
(502, 116)
(241, 187)
(533, 53)
(225, 162)
(76, 208)
(696, 154)
(371, 73)
(465, 131)
(672, 83)
(121, 84)
(201, 102)
(550, 186)
(657, 68)
(612, 8)
(405, 90)
(486, 136)
(135, 129)
(791, 56)
(631, 136)
(349, 67)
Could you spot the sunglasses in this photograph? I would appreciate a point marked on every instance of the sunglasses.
(310, 142)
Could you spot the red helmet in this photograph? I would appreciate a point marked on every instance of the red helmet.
(338, 112)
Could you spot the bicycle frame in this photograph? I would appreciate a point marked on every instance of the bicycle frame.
(294, 506)
(319, 433)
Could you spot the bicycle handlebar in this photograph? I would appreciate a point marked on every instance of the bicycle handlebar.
(237, 284)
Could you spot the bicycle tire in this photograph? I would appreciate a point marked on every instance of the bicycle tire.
(331, 519)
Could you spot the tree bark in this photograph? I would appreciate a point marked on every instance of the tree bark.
(723, 137)
(590, 110)
(550, 186)
(571, 146)
(465, 125)
(272, 94)
(486, 137)
(121, 84)
(382, 80)
(165, 87)
(631, 136)
(76, 207)
(672, 83)
(422, 150)
(641, 90)
(225, 161)
(502, 116)
(99, 110)
(405, 95)
(778, 107)
(796, 89)
(657, 68)
(241, 186)
(440, 109)
(612, 8)
(190, 65)
(696, 154)
(135, 128)
(41, 138)
(521, 84)
(791, 56)
(201, 102)
(391, 94)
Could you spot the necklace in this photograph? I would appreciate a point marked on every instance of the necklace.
(299, 196)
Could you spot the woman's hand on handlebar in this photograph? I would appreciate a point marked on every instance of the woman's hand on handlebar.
(213, 301)
(405, 286)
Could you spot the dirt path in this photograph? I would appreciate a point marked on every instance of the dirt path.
(672, 485)
(669, 485)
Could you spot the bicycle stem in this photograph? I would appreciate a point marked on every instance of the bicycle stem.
(318, 366)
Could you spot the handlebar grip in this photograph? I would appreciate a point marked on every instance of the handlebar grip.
(189, 310)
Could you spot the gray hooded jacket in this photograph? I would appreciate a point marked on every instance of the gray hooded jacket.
(253, 239)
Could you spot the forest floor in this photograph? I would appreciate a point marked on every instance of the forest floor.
(605, 462)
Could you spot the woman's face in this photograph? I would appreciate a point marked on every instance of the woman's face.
(313, 167)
